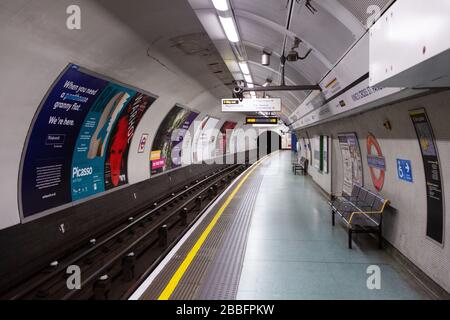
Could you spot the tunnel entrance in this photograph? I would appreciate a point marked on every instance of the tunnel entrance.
(268, 142)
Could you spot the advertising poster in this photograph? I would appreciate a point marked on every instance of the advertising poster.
(198, 133)
(207, 142)
(324, 167)
(317, 152)
(47, 165)
(435, 202)
(69, 141)
(117, 152)
(167, 146)
(88, 176)
(225, 133)
(352, 161)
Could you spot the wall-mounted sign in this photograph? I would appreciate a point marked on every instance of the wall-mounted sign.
(404, 170)
(352, 161)
(376, 162)
(317, 153)
(143, 142)
(262, 120)
(324, 160)
(78, 144)
(251, 105)
(435, 201)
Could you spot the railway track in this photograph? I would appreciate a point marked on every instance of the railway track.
(114, 262)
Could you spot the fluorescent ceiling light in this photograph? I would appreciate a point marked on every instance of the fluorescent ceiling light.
(220, 5)
(250, 85)
(248, 78)
(230, 28)
(244, 67)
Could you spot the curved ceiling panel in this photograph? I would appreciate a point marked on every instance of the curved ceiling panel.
(360, 8)
(322, 30)
(276, 11)
(260, 34)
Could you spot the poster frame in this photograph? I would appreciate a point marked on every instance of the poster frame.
(412, 113)
(23, 219)
(360, 155)
(154, 136)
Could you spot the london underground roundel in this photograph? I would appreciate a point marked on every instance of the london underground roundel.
(376, 162)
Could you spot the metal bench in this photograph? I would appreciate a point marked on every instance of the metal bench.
(301, 166)
(361, 212)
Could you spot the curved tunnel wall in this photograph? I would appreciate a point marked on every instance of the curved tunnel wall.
(40, 48)
(405, 224)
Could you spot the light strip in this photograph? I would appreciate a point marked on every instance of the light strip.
(244, 67)
(248, 78)
(230, 28)
(220, 5)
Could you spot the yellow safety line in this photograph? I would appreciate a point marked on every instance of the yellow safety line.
(172, 285)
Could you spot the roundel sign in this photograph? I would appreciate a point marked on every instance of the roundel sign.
(376, 161)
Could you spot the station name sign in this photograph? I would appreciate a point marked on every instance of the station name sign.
(262, 120)
(251, 105)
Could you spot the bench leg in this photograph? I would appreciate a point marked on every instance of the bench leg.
(333, 217)
(350, 238)
(380, 239)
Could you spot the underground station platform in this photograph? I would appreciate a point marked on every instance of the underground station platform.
(261, 241)
(225, 158)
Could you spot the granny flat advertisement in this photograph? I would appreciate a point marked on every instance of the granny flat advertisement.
(78, 145)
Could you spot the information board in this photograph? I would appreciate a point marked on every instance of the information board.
(351, 158)
(251, 105)
(435, 202)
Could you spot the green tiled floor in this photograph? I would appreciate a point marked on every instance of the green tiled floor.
(293, 252)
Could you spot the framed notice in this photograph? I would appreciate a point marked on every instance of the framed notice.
(352, 161)
(433, 180)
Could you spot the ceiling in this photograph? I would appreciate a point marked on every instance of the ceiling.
(273, 25)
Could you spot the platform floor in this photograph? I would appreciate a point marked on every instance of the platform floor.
(274, 240)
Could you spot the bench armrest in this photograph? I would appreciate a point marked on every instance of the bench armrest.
(369, 213)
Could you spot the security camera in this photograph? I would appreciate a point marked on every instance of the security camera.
(292, 56)
(238, 93)
(238, 90)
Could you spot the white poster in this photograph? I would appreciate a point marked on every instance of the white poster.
(351, 157)
(325, 153)
(316, 152)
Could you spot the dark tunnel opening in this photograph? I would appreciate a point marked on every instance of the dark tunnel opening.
(268, 142)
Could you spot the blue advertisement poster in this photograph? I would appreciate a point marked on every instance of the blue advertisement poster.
(78, 145)
(91, 147)
(47, 170)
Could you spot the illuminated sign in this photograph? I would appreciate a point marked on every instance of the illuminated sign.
(251, 105)
(262, 120)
